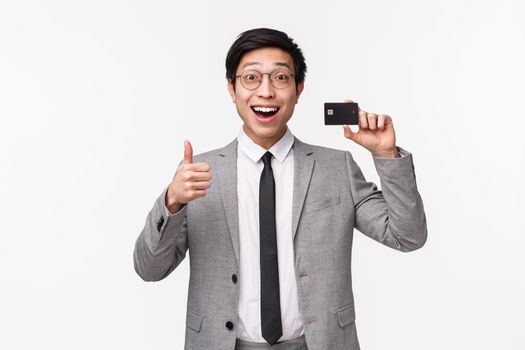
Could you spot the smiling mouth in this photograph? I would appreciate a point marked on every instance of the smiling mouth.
(265, 112)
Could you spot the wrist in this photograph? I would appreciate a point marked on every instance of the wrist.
(387, 154)
(171, 202)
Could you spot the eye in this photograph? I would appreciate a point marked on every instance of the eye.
(281, 76)
(250, 76)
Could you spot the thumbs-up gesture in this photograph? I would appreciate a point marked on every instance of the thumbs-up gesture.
(190, 182)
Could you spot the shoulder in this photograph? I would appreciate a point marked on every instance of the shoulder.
(318, 152)
(210, 156)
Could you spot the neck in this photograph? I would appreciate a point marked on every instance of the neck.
(266, 142)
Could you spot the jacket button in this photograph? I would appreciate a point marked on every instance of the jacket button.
(234, 278)
(159, 223)
(229, 325)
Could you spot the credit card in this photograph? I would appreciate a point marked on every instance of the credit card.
(339, 113)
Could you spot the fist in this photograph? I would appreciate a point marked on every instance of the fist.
(190, 182)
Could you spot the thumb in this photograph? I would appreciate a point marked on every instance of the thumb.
(349, 134)
(188, 153)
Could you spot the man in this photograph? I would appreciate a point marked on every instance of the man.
(268, 220)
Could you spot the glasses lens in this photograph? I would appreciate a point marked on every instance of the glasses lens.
(251, 79)
(281, 79)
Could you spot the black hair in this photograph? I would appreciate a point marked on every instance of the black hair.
(259, 38)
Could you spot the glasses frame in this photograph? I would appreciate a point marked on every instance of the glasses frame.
(262, 76)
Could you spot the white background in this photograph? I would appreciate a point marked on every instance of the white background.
(96, 98)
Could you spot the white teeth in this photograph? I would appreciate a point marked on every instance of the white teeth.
(265, 109)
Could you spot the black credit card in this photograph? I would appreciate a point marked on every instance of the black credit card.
(339, 113)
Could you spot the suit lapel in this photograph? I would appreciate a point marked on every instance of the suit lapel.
(303, 166)
(227, 176)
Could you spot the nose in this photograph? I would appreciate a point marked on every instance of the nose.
(266, 89)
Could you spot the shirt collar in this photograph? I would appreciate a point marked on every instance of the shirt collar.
(279, 150)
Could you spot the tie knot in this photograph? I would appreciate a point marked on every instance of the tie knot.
(267, 159)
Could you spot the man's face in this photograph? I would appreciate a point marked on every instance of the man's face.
(265, 128)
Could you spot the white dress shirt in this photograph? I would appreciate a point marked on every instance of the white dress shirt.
(249, 169)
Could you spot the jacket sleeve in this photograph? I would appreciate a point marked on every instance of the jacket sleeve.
(394, 216)
(163, 242)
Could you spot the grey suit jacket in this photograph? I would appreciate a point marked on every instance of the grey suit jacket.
(330, 198)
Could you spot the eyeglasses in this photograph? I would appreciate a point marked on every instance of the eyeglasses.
(252, 79)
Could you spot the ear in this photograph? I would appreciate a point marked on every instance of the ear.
(231, 90)
(300, 88)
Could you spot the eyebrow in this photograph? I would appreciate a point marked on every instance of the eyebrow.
(280, 64)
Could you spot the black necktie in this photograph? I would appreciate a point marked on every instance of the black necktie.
(270, 304)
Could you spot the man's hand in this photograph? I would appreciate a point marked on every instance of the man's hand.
(190, 182)
(376, 134)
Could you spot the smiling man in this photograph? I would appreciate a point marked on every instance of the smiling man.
(268, 220)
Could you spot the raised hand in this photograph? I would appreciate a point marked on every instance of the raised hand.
(376, 134)
(190, 182)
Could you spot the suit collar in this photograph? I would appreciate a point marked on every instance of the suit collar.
(230, 150)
